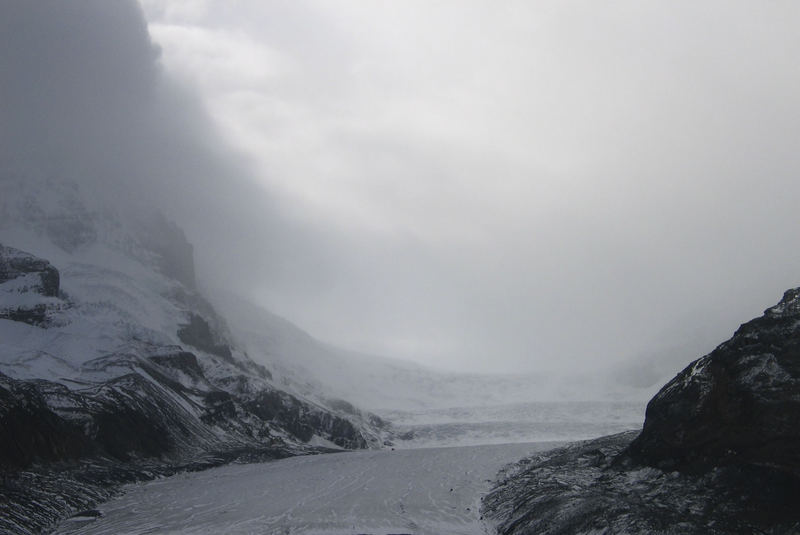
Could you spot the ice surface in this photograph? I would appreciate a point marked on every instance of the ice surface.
(517, 422)
(424, 491)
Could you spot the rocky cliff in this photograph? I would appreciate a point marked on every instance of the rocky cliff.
(29, 286)
(128, 375)
(718, 452)
(738, 405)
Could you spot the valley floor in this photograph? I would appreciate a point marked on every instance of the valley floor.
(420, 491)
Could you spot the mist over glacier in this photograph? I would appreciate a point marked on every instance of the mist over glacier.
(528, 185)
(649, 256)
(445, 234)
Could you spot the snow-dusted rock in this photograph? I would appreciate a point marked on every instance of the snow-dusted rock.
(29, 287)
(740, 404)
(718, 452)
(15, 264)
(583, 488)
(93, 381)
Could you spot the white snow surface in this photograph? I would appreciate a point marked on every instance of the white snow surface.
(432, 491)
(111, 303)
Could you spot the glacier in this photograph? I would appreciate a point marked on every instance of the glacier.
(430, 491)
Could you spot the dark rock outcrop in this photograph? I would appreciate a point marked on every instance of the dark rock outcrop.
(181, 361)
(581, 488)
(142, 410)
(31, 431)
(63, 450)
(32, 315)
(126, 418)
(28, 287)
(15, 263)
(718, 452)
(197, 333)
(304, 421)
(738, 405)
(164, 408)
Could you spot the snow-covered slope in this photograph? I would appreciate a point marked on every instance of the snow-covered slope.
(112, 355)
(123, 302)
(128, 287)
(432, 407)
(109, 353)
(396, 388)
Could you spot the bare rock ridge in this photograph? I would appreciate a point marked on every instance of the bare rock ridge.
(718, 452)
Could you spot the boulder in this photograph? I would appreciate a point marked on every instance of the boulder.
(738, 405)
(718, 453)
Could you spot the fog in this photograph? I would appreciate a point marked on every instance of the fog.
(473, 186)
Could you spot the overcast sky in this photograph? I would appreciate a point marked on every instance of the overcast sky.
(484, 185)
(513, 182)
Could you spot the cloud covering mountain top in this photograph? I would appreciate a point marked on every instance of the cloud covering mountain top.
(532, 186)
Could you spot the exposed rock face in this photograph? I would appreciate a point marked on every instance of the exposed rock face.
(165, 407)
(29, 287)
(15, 264)
(738, 405)
(128, 417)
(32, 314)
(582, 488)
(72, 426)
(32, 431)
(303, 421)
(62, 450)
(198, 333)
(718, 452)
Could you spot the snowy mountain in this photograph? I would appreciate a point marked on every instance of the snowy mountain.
(109, 353)
(396, 388)
(126, 295)
(121, 359)
(429, 407)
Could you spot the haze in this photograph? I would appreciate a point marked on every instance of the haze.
(470, 185)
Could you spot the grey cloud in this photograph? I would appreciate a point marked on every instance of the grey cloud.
(543, 185)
